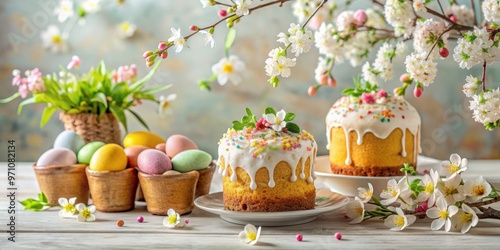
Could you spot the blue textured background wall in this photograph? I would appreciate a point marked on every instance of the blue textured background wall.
(447, 123)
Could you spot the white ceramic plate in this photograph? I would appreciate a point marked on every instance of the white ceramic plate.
(348, 184)
(326, 201)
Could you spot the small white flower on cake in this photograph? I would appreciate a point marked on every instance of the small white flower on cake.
(250, 234)
(454, 166)
(277, 121)
(355, 210)
(53, 40)
(399, 221)
(165, 104)
(227, 70)
(442, 214)
(126, 29)
(85, 213)
(173, 219)
(64, 10)
(68, 207)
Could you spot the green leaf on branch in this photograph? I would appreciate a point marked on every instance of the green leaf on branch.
(230, 37)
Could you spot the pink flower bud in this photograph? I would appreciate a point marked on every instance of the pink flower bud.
(417, 92)
(147, 54)
(164, 54)
(359, 17)
(453, 18)
(444, 52)
(222, 13)
(162, 45)
(323, 79)
(332, 82)
(381, 94)
(193, 27)
(404, 78)
(368, 98)
(312, 91)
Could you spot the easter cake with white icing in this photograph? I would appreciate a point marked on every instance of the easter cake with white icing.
(372, 134)
(267, 164)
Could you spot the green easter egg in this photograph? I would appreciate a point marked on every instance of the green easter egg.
(86, 152)
(192, 159)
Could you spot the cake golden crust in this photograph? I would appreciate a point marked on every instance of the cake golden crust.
(372, 136)
(286, 195)
(374, 157)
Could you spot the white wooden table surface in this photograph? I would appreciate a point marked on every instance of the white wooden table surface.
(45, 230)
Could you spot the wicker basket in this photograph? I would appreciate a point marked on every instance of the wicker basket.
(92, 128)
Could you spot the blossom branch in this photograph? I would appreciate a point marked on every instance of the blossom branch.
(454, 24)
(484, 203)
(437, 40)
(483, 77)
(314, 13)
(150, 56)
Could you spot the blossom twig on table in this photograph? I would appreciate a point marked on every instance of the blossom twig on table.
(452, 202)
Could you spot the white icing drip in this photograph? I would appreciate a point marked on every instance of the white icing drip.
(348, 159)
(235, 157)
(403, 144)
(368, 119)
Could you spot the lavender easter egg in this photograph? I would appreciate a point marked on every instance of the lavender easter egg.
(57, 157)
(153, 161)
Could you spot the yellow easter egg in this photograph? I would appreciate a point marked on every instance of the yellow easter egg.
(110, 157)
(142, 138)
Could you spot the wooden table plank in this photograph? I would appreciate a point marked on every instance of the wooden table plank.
(35, 230)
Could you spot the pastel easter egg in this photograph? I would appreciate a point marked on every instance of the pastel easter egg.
(69, 139)
(110, 157)
(142, 138)
(57, 157)
(178, 143)
(152, 161)
(161, 146)
(192, 159)
(87, 151)
(132, 153)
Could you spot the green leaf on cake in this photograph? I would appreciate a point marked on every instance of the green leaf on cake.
(249, 112)
(292, 127)
(360, 87)
(237, 125)
(269, 110)
(289, 117)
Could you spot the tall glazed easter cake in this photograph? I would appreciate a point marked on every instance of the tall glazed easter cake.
(267, 165)
(372, 134)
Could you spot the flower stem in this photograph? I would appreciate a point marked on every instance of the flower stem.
(437, 40)
(483, 77)
(314, 13)
(484, 203)
(454, 24)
